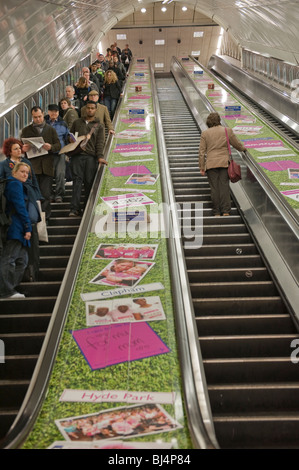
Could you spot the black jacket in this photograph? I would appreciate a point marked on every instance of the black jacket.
(112, 89)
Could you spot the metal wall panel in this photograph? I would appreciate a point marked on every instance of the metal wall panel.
(42, 39)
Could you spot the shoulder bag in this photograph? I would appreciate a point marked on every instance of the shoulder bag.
(42, 225)
(234, 170)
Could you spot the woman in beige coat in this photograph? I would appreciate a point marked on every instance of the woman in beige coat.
(214, 159)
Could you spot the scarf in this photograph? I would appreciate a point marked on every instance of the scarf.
(39, 127)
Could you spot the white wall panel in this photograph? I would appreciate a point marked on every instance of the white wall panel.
(206, 44)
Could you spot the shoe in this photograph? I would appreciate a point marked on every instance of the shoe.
(74, 214)
(58, 199)
(16, 295)
(226, 214)
(216, 215)
(68, 183)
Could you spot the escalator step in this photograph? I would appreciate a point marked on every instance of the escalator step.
(24, 323)
(250, 370)
(22, 343)
(12, 393)
(18, 367)
(228, 275)
(255, 398)
(244, 324)
(29, 305)
(6, 419)
(258, 431)
(238, 305)
(246, 346)
(254, 289)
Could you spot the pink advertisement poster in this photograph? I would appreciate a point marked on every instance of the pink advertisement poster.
(140, 97)
(279, 166)
(133, 147)
(263, 144)
(292, 194)
(129, 170)
(108, 345)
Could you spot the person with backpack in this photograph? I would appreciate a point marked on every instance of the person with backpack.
(14, 258)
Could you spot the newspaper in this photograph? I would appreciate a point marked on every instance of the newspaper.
(36, 146)
(73, 145)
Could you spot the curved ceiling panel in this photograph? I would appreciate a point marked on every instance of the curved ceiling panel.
(41, 39)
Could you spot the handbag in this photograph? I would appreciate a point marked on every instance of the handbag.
(42, 226)
(234, 170)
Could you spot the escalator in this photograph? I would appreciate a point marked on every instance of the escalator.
(244, 327)
(24, 322)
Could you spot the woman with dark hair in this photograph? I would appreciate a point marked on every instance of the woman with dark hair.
(108, 56)
(214, 159)
(69, 114)
(14, 258)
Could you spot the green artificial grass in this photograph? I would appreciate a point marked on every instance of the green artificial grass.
(159, 373)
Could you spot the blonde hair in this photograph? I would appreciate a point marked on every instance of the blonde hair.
(18, 166)
(112, 79)
(82, 83)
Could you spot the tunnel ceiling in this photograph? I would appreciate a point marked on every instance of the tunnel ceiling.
(40, 39)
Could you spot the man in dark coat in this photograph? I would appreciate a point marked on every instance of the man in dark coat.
(43, 165)
(84, 165)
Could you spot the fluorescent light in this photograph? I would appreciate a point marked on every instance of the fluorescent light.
(198, 34)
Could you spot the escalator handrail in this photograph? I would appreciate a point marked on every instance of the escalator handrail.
(214, 58)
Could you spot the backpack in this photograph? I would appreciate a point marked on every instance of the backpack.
(5, 220)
